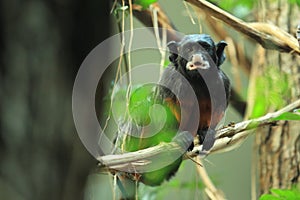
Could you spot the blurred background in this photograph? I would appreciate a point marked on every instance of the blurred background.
(42, 45)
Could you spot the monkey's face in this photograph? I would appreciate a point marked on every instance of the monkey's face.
(196, 52)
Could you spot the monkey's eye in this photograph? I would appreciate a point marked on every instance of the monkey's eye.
(188, 49)
(205, 46)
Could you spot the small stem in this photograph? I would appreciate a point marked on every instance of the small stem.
(212, 192)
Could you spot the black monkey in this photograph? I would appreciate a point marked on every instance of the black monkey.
(197, 58)
(192, 80)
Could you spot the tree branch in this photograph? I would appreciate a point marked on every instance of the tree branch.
(136, 161)
(146, 17)
(268, 35)
(226, 139)
(210, 189)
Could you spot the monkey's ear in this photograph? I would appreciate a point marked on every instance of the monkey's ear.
(220, 52)
(173, 48)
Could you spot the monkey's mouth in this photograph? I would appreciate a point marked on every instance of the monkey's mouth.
(197, 62)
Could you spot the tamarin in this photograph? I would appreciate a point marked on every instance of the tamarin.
(197, 58)
(194, 94)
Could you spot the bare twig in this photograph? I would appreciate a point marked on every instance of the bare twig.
(298, 34)
(212, 192)
(226, 138)
(136, 161)
(145, 16)
(229, 136)
(268, 35)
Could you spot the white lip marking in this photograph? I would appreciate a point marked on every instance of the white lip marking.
(197, 63)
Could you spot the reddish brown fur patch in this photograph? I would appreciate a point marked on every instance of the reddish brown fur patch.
(206, 120)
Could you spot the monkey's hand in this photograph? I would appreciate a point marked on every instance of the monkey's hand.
(207, 138)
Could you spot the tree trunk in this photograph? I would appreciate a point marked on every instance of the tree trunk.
(278, 146)
(42, 44)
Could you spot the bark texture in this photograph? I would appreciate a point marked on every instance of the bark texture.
(279, 146)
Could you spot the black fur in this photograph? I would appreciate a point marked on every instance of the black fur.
(198, 59)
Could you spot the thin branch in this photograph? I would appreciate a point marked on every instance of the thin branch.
(226, 138)
(145, 16)
(136, 161)
(268, 35)
(232, 135)
(212, 192)
(298, 34)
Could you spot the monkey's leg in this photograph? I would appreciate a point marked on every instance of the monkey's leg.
(207, 138)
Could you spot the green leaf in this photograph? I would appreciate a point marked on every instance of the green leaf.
(295, 2)
(287, 116)
(140, 104)
(261, 102)
(286, 194)
(269, 197)
(144, 3)
(281, 194)
(259, 108)
(269, 91)
(118, 102)
(166, 63)
(239, 8)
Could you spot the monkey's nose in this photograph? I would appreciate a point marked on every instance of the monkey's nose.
(197, 59)
(197, 62)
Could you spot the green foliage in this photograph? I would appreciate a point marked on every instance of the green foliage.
(145, 111)
(144, 3)
(175, 184)
(119, 102)
(288, 116)
(149, 122)
(239, 8)
(186, 181)
(166, 63)
(294, 2)
(269, 91)
(156, 177)
(140, 103)
(185, 185)
(277, 194)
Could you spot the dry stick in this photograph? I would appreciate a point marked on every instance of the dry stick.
(160, 43)
(145, 16)
(129, 53)
(212, 192)
(229, 136)
(189, 13)
(232, 54)
(136, 161)
(269, 36)
(226, 138)
(298, 34)
(119, 72)
(253, 171)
